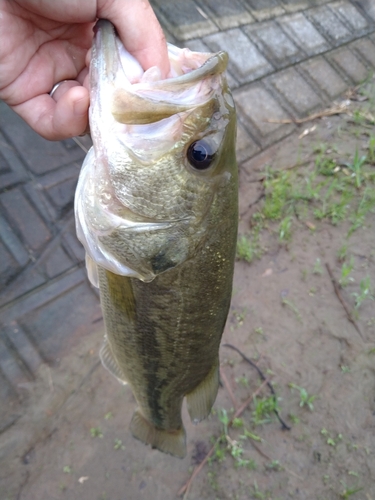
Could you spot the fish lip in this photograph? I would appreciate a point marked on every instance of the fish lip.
(105, 43)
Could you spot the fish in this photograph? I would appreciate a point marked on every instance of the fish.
(156, 210)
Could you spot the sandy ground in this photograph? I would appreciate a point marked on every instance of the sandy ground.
(285, 316)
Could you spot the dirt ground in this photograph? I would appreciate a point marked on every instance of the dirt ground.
(285, 316)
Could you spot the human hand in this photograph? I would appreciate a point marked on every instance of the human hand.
(44, 42)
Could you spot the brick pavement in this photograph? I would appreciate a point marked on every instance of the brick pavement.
(288, 58)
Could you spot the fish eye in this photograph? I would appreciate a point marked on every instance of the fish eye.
(200, 154)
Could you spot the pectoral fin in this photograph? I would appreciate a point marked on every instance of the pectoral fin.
(201, 399)
(173, 442)
(109, 362)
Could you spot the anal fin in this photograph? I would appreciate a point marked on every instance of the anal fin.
(172, 442)
(200, 400)
(109, 362)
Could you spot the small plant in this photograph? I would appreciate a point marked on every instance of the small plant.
(118, 445)
(290, 304)
(318, 268)
(248, 247)
(305, 398)
(348, 492)
(366, 292)
(96, 432)
(285, 229)
(67, 469)
(346, 269)
(356, 168)
(108, 415)
(371, 149)
(264, 407)
(342, 253)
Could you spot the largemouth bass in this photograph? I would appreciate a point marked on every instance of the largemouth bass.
(156, 210)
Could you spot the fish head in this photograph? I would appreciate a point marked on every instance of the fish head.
(163, 151)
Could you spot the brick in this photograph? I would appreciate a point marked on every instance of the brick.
(59, 323)
(245, 145)
(265, 9)
(245, 61)
(324, 76)
(27, 353)
(366, 49)
(255, 106)
(274, 43)
(226, 13)
(368, 6)
(38, 154)
(184, 20)
(348, 62)
(72, 246)
(9, 367)
(296, 91)
(24, 217)
(56, 262)
(8, 266)
(13, 243)
(196, 45)
(350, 15)
(60, 186)
(294, 5)
(329, 25)
(12, 171)
(304, 34)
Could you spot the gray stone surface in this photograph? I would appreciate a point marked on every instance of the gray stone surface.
(366, 49)
(350, 64)
(265, 9)
(296, 91)
(295, 5)
(350, 16)
(258, 109)
(21, 214)
(304, 34)
(184, 19)
(245, 60)
(245, 145)
(226, 13)
(37, 154)
(322, 73)
(329, 25)
(274, 43)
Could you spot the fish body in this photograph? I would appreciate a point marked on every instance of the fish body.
(156, 210)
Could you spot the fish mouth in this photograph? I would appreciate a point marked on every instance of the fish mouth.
(135, 104)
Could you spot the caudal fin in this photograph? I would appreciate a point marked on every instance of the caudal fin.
(173, 442)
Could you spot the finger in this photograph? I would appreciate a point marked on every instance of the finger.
(62, 88)
(139, 31)
(57, 120)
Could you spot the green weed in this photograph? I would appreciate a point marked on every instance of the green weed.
(285, 228)
(264, 409)
(248, 247)
(290, 304)
(318, 268)
(366, 292)
(346, 269)
(96, 432)
(118, 445)
(356, 167)
(305, 398)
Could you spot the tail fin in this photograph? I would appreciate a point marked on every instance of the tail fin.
(173, 442)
